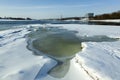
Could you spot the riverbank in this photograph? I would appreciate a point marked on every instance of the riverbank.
(105, 22)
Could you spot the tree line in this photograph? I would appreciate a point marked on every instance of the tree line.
(114, 15)
(18, 18)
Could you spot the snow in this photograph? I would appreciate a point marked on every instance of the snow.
(91, 30)
(16, 61)
(12, 35)
(108, 20)
(103, 58)
(97, 60)
(105, 20)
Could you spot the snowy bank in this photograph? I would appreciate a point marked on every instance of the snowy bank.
(16, 61)
(101, 59)
(107, 20)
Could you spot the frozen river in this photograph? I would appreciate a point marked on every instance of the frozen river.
(54, 48)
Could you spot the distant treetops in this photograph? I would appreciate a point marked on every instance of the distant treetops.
(114, 15)
(18, 18)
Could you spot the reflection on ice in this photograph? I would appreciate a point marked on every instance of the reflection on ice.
(56, 42)
(60, 70)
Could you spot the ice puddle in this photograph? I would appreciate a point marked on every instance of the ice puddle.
(61, 45)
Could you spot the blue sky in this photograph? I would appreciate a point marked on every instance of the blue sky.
(55, 8)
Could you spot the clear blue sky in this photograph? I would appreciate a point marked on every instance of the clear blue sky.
(55, 8)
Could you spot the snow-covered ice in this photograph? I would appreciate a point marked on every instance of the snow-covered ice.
(91, 30)
(16, 61)
(108, 20)
(103, 58)
(97, 60)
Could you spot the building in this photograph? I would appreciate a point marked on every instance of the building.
(89, 15)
